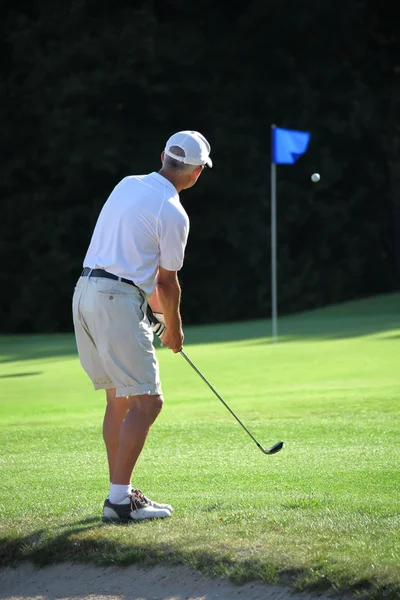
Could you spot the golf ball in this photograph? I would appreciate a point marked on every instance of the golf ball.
(315, 177)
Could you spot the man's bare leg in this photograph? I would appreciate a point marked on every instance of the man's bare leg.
(123, 503)
(143, 411)
(115, 414)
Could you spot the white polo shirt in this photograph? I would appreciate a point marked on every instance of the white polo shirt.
(142, 225)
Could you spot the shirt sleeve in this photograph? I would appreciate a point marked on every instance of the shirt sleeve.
(173, 239)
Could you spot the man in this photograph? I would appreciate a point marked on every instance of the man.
(134, 255)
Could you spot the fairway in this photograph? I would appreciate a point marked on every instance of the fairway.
(324, 512)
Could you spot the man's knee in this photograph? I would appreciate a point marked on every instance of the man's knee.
(157, 404)
(150, 405)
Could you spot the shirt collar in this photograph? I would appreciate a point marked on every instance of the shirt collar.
(165, 182)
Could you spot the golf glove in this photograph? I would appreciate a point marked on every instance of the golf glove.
(158, 325)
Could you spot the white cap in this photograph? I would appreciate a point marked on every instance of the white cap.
(194, 145)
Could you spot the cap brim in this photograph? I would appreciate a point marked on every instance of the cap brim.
(209, 162)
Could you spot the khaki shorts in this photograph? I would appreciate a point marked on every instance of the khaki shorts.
(114, 337)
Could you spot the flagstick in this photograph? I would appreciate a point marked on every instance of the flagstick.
(285, 150)
(273, 255)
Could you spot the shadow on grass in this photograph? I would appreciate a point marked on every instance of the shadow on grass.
(14, 348)
(374, 315)
(41, 548)
(28, 374)
(46, 547)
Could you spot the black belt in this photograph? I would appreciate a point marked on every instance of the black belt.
(102, 273)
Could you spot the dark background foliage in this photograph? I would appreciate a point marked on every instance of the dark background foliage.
(91, 91)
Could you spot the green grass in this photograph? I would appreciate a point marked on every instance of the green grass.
(325, 512)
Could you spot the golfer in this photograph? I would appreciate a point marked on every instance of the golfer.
(136, 251)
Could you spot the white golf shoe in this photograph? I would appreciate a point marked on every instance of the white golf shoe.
(137, 509)
(152, 502)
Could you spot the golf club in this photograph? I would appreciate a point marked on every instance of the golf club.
(273, 450)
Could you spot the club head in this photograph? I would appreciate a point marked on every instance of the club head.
(274, 449)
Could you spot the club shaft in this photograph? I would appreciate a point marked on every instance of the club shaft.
(185, 356)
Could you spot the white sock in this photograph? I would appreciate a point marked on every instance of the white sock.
(119, 494)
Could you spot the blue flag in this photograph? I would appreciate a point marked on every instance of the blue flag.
(288, 145)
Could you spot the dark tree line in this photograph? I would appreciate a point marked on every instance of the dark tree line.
(91, 91)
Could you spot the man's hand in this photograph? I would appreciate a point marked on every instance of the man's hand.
(173, 339)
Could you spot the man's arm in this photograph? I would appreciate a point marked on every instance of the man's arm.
(166, 299)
